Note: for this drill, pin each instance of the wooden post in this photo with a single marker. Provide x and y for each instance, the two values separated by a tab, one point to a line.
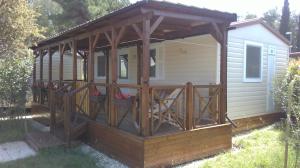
139	63
223	76
113	113
91	60
61	62
50	65
106	54
90	71
67	118
145	128
74	53
34	79
189	105
41	100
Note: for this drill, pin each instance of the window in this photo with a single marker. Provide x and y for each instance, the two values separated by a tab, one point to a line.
153	63
253	62
101	66
123	66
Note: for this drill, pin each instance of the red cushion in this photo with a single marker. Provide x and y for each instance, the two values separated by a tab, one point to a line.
96	92
122	96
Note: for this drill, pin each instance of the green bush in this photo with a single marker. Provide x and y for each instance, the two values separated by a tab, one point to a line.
287	97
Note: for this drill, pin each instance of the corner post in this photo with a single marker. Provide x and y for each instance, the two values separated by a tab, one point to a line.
74	53
34	78
189	105
145	129
90	66
61	63
223	76
113	113
41	100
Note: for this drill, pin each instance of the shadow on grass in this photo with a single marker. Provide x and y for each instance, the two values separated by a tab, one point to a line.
56	157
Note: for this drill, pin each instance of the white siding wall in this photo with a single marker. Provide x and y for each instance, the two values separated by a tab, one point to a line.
68	74
192	59
250	99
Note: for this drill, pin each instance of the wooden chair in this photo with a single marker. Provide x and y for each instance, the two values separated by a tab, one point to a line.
162	109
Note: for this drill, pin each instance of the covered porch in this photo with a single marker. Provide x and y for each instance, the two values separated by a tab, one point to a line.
151	74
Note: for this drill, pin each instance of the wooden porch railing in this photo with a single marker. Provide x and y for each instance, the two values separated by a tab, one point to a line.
56	99
127	108
206	105
172	107
167	107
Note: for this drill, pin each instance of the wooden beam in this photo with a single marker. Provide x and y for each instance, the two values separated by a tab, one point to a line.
113	113
96	40
182	16
41	65
61	62
34	71
139	62
189	106
223	76
216	32
50	65
108	38
91	60
120	34
137	30
74	53
156	24
145	129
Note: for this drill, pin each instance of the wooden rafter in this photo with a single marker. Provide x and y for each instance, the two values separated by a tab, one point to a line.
181	15
156	24
137	30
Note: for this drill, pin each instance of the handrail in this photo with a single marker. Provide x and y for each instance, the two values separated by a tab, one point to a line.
79	89
131	86
166	86
207	86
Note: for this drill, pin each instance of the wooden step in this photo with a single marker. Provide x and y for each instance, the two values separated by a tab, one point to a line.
40	140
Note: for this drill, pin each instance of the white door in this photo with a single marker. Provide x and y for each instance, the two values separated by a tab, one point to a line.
271	74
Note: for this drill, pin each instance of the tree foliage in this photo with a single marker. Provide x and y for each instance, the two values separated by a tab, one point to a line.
18	26
59	15
18	30
272	17
287	96
285	18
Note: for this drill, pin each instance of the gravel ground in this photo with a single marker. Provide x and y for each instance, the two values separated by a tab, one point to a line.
102	159
107	162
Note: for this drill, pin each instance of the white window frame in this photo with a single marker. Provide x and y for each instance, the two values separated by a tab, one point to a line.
101	54
255	44
156	48
123	51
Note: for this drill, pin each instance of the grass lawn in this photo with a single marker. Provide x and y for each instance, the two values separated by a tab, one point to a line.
54	158
57	157
12	130
261	149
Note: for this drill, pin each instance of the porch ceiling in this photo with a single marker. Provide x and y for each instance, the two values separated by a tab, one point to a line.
179	21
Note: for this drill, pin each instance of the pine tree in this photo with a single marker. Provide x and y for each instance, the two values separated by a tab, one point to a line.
285	18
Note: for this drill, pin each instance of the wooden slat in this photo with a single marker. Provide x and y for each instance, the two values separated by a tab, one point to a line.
173	149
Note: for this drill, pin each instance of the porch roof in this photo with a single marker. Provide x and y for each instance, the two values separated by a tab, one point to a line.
180	21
